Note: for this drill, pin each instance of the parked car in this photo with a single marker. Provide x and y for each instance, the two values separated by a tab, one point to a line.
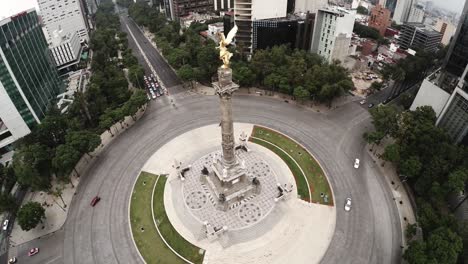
356	163
12	260
370	105
5	225
33	251
95	200
153	95
362	102
347	206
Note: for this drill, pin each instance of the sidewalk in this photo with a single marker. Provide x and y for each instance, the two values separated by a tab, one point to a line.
56	211
253	91
400	196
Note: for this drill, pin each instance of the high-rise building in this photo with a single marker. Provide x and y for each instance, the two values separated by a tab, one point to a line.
447	30
28	78
66	16
416	14
295	31
418	36
223	5
447	89
380	19
247	11
185	7
66	50
402	11
457	56
390	5
332	33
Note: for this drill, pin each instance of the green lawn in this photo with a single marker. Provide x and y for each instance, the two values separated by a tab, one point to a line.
314	173
177	242
150	245
302	187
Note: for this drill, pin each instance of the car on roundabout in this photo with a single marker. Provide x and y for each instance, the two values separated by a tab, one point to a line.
95	200
347	206
33	251
356	163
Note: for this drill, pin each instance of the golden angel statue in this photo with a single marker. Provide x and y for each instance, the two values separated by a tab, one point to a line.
224	54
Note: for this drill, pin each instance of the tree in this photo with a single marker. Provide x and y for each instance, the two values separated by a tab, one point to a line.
416	253
30	215
362	10
7	203
392	153
135	74
301	94
410	167
244	75
456	180
32	165
443	246
410	231
384	119
83	141
376	86
187	74
65	160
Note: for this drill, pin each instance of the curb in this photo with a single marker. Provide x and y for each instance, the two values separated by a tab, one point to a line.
297	164
156	225
318	162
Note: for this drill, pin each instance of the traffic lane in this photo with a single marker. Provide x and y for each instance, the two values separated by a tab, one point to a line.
164	71
50	250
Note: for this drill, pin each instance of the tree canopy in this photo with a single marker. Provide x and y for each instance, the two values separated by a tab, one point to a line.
30	215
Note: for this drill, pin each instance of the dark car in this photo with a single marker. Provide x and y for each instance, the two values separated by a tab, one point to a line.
95	200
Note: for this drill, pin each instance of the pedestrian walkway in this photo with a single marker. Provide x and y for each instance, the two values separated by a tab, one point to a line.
57	206
400	196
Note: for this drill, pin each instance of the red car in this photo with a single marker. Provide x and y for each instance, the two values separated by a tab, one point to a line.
95	200
33	251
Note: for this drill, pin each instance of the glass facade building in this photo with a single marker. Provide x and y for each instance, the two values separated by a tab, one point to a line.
457	57
27	70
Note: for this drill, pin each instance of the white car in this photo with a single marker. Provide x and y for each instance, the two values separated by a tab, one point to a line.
153	95
362	102
12	260
356	163
5	225
347	206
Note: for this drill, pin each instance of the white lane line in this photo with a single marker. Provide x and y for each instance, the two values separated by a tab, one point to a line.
53	260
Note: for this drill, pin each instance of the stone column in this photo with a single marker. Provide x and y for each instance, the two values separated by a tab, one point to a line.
225	88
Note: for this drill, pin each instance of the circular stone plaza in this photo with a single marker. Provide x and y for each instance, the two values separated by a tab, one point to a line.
239	194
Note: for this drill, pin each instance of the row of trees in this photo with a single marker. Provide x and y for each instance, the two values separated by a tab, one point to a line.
435	168
294	72
57	144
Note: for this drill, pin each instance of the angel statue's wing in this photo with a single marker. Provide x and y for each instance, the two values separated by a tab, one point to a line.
230	35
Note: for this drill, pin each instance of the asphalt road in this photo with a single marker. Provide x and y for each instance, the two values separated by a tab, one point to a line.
370	233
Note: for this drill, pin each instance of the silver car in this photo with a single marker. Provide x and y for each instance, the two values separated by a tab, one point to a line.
347	206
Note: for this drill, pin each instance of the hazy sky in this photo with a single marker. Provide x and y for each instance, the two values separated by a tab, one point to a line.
11	7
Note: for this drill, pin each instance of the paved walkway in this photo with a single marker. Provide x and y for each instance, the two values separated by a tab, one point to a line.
295	232
400	196
57	210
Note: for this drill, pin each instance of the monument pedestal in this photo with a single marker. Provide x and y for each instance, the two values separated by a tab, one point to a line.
228	179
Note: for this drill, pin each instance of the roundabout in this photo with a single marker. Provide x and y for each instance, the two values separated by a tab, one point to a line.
368	234
265	229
